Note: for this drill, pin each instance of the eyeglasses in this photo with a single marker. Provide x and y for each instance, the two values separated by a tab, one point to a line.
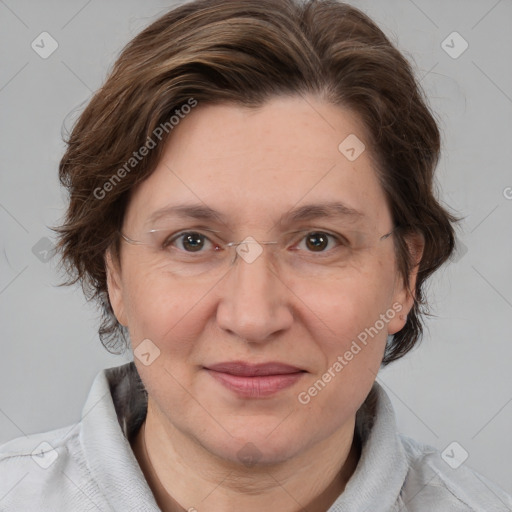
299	253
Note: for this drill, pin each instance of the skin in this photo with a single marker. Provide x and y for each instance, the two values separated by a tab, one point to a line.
253	166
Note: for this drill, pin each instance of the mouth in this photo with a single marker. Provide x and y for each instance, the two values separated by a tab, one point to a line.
255	380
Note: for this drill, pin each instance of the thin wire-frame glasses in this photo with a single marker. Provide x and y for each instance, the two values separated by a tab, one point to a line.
209	255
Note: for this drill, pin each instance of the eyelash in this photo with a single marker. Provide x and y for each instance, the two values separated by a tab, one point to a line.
340	240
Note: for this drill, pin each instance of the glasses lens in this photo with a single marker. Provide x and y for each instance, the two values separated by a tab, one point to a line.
308	253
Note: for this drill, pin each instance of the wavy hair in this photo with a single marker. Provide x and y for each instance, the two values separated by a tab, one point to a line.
246	52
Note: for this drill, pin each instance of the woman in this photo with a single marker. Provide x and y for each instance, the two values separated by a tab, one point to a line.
251	201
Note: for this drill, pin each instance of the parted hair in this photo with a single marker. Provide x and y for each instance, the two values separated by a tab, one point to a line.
245	52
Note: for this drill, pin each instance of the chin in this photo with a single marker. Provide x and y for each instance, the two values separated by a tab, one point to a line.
251	447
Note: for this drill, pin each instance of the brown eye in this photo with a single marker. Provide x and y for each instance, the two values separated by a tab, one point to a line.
317	241
189	241
193	241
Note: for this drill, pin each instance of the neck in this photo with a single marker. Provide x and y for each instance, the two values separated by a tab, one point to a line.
184	476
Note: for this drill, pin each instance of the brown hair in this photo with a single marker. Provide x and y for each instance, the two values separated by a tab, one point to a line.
245	52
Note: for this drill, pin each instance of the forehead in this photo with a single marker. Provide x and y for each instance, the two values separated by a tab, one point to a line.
252	164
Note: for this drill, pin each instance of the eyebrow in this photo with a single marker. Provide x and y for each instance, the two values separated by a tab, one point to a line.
329	210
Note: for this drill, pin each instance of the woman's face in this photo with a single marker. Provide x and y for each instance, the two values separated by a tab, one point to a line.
317	309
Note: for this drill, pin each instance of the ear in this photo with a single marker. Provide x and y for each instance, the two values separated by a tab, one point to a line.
115	286
404	295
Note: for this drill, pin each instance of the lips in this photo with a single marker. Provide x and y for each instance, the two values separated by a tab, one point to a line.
253	370
255	380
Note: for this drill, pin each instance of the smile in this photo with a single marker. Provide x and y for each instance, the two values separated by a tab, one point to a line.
255	381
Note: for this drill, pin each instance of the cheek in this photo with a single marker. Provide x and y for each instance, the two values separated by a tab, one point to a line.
163	309
344	307
351	319
167	312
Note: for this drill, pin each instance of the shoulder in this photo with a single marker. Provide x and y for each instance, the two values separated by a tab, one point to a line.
85	466
434	480
44	471
39	450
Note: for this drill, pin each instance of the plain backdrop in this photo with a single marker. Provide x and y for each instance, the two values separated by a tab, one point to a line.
457	386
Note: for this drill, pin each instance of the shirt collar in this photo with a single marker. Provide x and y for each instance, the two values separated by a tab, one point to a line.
114	410
117	405
380	474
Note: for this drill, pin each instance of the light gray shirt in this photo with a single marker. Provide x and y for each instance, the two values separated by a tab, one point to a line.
90	466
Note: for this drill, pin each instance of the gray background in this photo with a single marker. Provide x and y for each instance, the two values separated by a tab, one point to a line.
456	387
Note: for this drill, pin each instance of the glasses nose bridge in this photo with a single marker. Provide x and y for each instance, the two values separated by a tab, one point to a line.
249	249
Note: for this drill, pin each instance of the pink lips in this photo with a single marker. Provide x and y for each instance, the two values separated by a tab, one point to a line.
255	380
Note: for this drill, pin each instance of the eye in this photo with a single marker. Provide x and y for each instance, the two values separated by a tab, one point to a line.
189	241
318	241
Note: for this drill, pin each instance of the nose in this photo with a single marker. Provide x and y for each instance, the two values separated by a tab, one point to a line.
255	304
